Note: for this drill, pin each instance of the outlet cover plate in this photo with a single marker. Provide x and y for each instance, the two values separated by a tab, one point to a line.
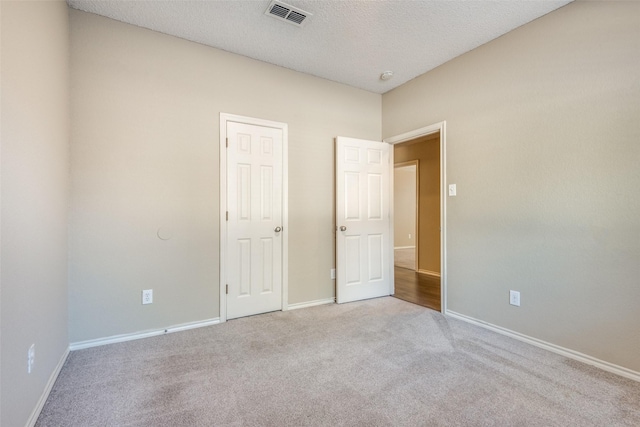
147	296
514	298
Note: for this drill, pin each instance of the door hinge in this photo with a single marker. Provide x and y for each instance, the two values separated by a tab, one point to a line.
227	289
227	143
227	215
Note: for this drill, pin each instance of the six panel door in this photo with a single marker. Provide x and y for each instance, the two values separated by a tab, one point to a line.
363	256
254	227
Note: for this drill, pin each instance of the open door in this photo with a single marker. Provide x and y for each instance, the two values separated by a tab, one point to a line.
364	265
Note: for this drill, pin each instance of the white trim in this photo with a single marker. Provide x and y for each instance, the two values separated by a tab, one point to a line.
429	273
311	303
428	130
392	219
566	352
417	133
285	215
222	143
47	390
224	118
145	334
403	247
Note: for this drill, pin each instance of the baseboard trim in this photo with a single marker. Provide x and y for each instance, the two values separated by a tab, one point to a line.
139	335
311	303
47	390
403	247
429	273
571	354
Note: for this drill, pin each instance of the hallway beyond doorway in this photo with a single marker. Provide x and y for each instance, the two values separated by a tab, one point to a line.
418	288
405	258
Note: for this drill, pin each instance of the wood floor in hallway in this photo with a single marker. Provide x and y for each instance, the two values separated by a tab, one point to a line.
421	289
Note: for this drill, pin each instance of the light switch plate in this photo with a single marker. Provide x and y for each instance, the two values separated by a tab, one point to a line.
452	189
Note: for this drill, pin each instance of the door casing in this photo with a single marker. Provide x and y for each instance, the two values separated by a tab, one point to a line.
408	136
224	118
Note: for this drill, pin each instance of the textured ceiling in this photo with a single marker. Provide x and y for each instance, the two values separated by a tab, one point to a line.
349	41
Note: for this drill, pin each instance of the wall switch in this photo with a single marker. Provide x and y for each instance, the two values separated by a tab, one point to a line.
31	358
452	189
409	236
147	296
514	298
333	273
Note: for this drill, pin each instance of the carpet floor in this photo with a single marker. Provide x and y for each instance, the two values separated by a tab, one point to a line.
380	362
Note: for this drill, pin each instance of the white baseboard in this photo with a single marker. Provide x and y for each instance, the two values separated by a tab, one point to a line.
145	334
311	303
429	273
571	354
47	390
403	247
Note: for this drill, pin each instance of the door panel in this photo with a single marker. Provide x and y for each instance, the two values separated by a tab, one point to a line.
363	247
376	256
254	200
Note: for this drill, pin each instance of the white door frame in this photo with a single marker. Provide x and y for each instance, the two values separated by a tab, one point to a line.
224	118
408	136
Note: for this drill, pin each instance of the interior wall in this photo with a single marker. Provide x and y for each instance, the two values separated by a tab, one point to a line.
145	136
542	142
404	200
427	151
34	191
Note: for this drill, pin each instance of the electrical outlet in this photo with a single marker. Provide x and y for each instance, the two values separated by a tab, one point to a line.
31	358
147	296
514	298
333	273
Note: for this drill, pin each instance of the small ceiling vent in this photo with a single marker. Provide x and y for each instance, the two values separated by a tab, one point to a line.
287	13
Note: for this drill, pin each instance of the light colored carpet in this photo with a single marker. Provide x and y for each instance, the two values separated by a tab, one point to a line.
381	362
405	258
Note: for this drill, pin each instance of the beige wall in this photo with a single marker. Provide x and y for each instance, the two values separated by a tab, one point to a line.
542	135
404	200
542	142
145	135
34	165
426	150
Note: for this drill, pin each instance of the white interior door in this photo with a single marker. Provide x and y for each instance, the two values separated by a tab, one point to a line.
363	241
255	213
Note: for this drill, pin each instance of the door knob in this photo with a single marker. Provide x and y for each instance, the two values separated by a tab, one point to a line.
343	228
278	229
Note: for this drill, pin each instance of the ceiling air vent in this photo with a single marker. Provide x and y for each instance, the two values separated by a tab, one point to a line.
287	13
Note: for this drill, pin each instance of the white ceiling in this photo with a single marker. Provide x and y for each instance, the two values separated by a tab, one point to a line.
348	41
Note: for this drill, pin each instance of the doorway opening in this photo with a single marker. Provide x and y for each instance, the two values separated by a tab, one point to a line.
419	195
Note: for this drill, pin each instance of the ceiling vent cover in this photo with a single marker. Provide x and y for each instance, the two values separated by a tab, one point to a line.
287	13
